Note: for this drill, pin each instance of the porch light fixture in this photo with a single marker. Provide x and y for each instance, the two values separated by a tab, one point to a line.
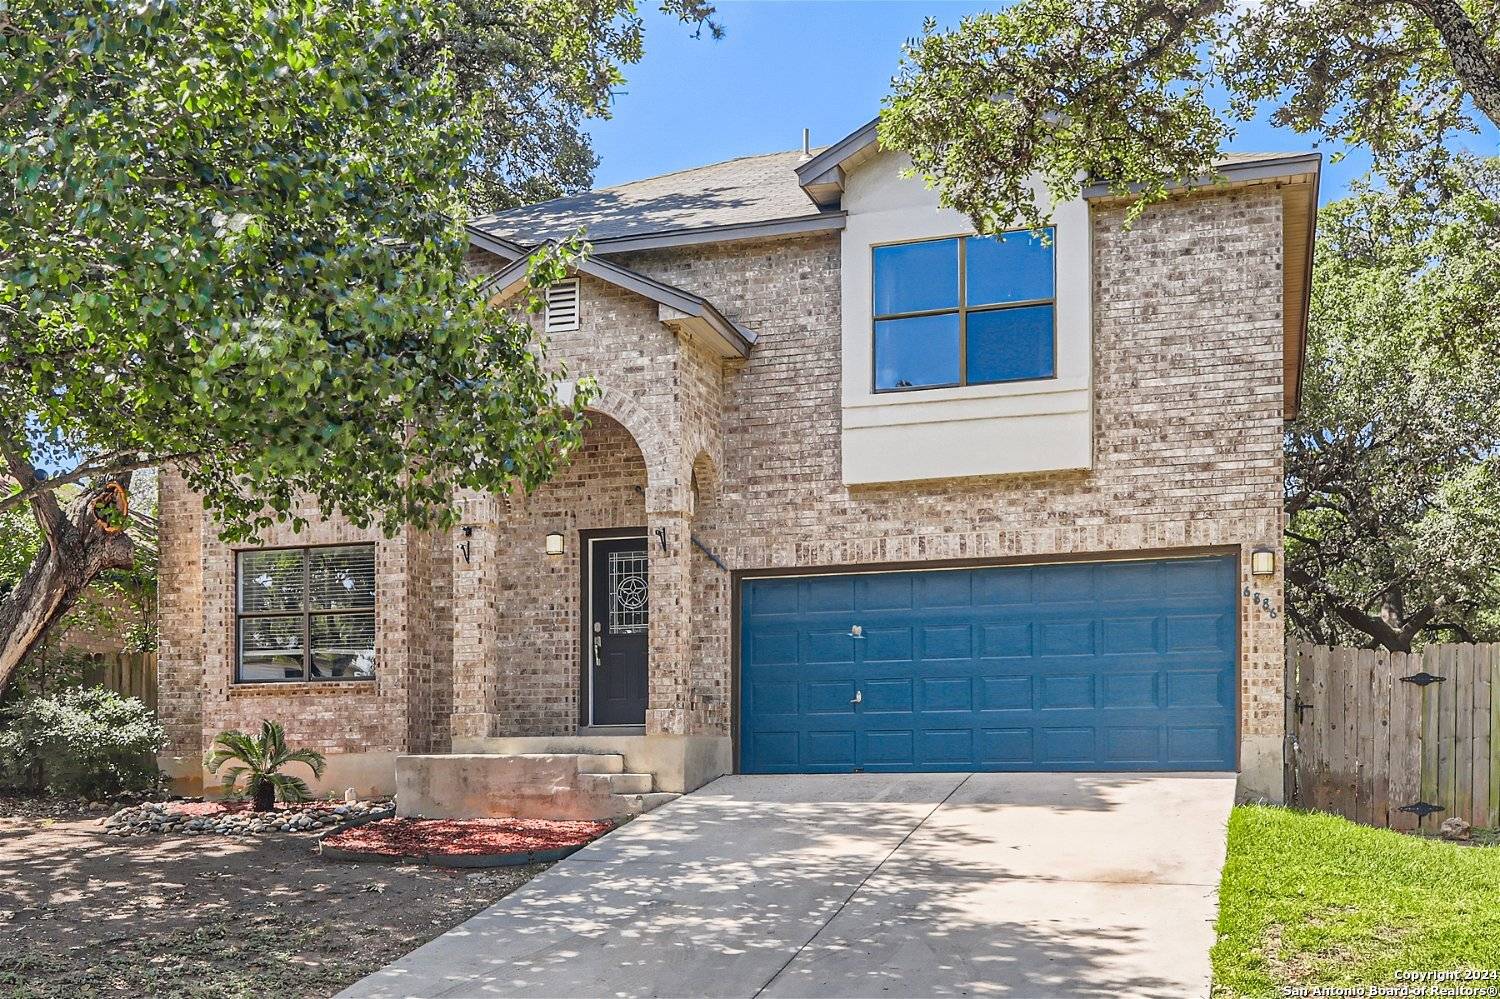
1262	562
554	543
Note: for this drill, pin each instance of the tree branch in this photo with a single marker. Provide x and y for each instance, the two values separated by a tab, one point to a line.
109	465
1472	61
49	514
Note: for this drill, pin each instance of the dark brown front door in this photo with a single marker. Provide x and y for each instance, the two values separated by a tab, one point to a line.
617	618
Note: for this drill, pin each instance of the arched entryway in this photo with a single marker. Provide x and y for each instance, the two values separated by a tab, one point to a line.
556	670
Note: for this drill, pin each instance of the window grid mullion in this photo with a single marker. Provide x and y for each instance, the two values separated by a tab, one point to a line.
963	313
307	615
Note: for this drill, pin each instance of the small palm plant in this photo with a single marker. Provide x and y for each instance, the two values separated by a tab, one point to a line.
261	758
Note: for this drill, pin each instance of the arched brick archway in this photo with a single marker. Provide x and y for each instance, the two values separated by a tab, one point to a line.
665	484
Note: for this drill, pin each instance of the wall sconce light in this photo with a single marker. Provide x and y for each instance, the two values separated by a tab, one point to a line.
555	543
467	547
1262	562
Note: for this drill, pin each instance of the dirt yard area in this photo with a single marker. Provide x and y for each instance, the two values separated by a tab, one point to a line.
86	914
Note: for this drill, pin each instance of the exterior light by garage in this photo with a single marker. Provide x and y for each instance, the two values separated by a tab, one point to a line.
554	543
1262	562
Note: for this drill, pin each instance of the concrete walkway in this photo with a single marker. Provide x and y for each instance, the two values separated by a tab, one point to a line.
864	885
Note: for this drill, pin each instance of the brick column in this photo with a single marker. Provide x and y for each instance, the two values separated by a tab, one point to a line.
180	627
475	618
670	632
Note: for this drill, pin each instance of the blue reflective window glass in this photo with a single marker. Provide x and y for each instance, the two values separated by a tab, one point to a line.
1010	344
917	352
1010	267
916	277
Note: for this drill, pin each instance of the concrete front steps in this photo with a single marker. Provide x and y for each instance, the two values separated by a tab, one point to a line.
591	786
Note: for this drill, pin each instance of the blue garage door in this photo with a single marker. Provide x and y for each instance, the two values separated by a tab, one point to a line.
1091	666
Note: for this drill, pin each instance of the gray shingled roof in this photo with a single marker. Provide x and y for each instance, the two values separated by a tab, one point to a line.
747	190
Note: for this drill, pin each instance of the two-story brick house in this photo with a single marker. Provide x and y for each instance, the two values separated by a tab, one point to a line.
861	491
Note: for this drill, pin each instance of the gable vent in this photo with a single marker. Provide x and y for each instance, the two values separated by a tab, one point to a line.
562	306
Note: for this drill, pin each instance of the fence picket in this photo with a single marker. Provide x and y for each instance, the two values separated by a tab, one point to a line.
1463	732
1494	815
1406	741
1382	764
1479	748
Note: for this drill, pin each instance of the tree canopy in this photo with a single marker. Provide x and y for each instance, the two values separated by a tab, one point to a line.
1124	93
230	241
1393	465
534	73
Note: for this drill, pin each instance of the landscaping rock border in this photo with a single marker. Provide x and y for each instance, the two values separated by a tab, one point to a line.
319	817
457	860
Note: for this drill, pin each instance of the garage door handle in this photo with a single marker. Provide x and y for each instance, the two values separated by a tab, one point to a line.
859	697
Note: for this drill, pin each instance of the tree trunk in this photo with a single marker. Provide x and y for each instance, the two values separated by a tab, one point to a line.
75	550
265	796
1469	50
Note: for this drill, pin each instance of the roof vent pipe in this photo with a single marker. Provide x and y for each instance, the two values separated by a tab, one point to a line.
807	143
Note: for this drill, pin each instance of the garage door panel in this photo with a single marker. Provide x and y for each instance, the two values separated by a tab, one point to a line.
827	594
1197	689
831	748
1065	638
1006	747
828	647
888	645
1123	691
947	641
1197	633
884	592
1129	636
890	747
1005	693
887	696
1067	667
828	697
1001	640
1001	587
946	694
1066	745
943	589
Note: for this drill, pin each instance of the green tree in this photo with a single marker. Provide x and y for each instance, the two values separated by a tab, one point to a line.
229	243
1393	465
536	72
1121	92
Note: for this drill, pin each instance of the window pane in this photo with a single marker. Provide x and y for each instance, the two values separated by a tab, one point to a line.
1010	344
343	645
271	580
271	648
342	578
916	277
1010	267
916	352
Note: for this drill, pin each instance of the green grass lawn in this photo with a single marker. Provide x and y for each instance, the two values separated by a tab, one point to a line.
1311	899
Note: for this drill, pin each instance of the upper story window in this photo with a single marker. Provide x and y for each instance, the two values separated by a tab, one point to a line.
305	613
968	310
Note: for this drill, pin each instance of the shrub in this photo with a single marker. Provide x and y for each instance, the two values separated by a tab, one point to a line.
82	740
262	757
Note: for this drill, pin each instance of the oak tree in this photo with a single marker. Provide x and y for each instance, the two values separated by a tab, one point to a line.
1138	94
1393	464
230	242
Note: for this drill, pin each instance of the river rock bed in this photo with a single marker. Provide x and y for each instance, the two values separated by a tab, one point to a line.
213	818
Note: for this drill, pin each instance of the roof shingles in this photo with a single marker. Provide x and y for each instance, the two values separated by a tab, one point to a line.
743	191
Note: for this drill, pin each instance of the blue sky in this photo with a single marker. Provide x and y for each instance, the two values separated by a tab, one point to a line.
785	66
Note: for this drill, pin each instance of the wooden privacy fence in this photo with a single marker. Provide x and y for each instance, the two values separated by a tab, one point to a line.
130	673
1395	739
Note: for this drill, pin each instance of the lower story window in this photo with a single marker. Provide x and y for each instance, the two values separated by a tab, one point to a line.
305	613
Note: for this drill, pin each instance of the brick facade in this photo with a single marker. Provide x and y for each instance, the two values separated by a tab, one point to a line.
744	457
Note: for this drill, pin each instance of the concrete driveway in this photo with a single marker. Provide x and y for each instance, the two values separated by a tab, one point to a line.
864	885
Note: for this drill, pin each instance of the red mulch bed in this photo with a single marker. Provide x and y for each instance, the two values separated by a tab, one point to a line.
465	837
